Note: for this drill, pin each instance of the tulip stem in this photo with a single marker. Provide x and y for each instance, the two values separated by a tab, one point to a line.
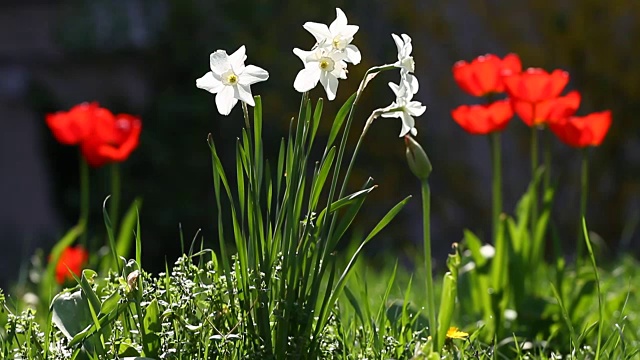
584	187
114	201
496	161
534	184
431	302
84	200
546	138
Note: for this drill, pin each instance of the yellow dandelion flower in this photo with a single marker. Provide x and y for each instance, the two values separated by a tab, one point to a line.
455	333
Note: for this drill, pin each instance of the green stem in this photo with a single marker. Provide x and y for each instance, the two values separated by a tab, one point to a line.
245	112
546	148
496	161
84	200
584	187
431	301
367	125
534	184
114	201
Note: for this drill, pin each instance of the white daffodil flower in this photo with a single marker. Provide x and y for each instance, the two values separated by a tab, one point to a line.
320	65
337	36
230	79
404	108
405	60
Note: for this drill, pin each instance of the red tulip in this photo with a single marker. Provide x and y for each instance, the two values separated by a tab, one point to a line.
548	110
71	127
71	260
483	119
483	75
535	85
583	131
112	138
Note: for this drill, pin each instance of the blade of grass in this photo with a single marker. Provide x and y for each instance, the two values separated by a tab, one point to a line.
587	241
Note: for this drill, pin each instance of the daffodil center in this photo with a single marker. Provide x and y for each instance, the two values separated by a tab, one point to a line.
229	78
408	63
338	43
326	64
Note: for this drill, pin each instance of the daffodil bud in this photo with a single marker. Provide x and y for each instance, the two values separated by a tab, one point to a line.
418	160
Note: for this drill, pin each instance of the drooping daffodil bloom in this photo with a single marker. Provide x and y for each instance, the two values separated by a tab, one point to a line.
230	79
321	65
337	36
405	61
404	108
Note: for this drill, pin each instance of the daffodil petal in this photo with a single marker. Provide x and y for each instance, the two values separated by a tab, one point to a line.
348	31
237	59
353	54
395	88
399	44
307	78
219	62
253	74
330	84
408	123
302	54
412	83
415	108
319	31
225	100
243	92
339	23
210	83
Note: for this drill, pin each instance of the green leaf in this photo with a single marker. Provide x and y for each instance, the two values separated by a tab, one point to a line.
474	244
339	119
111	303
317	114
321	178
71	312
347	200
447	306
152	322
347	218
345	274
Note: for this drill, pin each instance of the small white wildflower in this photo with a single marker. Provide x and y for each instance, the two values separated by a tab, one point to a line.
230	79
487	251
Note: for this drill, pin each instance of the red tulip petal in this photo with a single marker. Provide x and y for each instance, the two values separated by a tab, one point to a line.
482	119
524	110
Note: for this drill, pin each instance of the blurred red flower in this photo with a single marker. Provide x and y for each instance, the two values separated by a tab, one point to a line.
103	137
112	138
71	127
71	260
551	110
483	119
583	131
483	75
535	85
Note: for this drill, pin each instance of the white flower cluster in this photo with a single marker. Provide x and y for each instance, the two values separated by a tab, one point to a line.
327	60
326	63
404	107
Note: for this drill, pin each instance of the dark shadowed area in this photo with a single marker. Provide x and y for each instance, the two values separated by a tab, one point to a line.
143	56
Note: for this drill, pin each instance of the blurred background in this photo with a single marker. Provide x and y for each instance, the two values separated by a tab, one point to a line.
143	56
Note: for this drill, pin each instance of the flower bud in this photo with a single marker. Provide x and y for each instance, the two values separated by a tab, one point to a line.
418	160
